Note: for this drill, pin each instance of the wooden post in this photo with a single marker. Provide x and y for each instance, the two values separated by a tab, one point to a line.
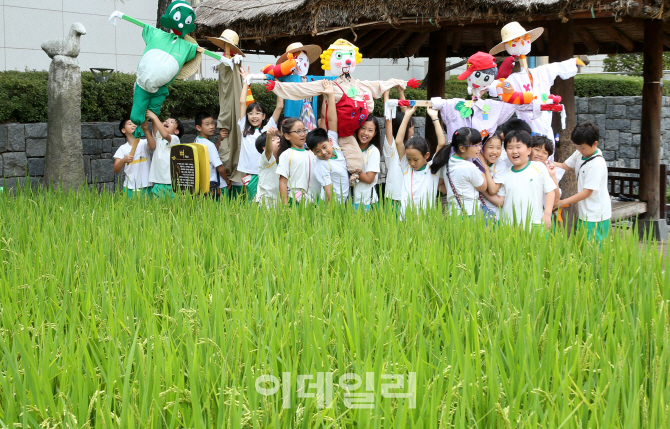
437	67
561	48
650	138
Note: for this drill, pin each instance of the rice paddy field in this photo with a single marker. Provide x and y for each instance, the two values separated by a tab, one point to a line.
118	313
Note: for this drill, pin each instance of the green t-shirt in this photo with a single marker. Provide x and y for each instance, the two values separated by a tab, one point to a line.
163	58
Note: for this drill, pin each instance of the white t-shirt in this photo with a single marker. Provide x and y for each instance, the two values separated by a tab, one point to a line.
393	187
593	176
214	160
419	187
249	156
137	172
160	160
268	181
365	193
498	170
334	171
524	191
466	177
297	165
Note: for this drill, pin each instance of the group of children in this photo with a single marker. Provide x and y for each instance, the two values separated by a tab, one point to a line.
507	176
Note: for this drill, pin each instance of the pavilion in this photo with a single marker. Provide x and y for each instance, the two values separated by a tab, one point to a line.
449	28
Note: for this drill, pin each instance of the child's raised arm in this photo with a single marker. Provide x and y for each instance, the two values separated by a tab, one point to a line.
401	96
158	125
151	143
400	138
439	132
278	109
329	94
271	132
243	96
388	124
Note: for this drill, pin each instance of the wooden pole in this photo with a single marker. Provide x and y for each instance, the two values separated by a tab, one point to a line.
650	138
561	47
437	65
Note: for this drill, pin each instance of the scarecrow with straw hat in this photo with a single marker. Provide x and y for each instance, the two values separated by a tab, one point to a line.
354	98
538	81
168	56
300	56
230	90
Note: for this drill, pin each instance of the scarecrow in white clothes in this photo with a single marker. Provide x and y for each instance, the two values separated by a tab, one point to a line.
355	98
538	81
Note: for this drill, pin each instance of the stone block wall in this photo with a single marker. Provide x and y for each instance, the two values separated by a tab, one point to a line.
619	121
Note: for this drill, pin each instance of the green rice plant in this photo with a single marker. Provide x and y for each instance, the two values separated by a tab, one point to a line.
165	313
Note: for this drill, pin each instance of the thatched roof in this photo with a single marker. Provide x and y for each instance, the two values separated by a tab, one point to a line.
260	23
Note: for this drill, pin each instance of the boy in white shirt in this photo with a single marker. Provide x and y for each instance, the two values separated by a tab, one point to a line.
218	179
136	168
331	167
592	198
267	144
166	135
527	192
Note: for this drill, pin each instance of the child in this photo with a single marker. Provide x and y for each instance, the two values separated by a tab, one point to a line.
462	179
527	186
252	124
218	179
514	124
368	139
592	198
166	135
419	184
267	144
331	168
296	165
394	184
542	150
495	158
136	168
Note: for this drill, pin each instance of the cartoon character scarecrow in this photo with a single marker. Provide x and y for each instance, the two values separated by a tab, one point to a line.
354	98
164	57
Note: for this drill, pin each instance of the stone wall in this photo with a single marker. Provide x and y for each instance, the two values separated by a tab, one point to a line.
619	121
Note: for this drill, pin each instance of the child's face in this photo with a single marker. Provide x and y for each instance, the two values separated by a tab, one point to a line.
324	150
170	125
255	117
207	128
416	159
518	153
128	128
410	131
539	153
586	150
492	150
366	133
297	135
472	151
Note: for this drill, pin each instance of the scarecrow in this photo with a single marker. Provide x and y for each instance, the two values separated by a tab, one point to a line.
294	66
168	56
355	98
538	81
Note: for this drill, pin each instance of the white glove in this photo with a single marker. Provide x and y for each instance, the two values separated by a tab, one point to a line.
228	62
254	76
438	103
114	15
237	59
390	109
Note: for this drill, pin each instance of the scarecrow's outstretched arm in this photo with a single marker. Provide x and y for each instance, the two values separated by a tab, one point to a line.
117	14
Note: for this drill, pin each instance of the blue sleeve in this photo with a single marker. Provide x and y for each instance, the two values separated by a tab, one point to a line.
316	78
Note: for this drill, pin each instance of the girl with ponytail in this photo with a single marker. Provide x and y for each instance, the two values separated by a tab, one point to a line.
296	165
462	179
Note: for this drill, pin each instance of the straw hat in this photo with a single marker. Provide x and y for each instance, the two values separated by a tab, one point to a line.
513	30
341	44
192	66
228	37
313	52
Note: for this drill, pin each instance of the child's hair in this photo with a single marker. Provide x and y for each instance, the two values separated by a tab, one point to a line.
180	126
122	124
522	136
419	143
247	126
515	125
284	128
201	116
396	125
585	133
261	141
462	137
376	140
543	142
315	137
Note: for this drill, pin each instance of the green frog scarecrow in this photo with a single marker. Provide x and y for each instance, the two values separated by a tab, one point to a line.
164	57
